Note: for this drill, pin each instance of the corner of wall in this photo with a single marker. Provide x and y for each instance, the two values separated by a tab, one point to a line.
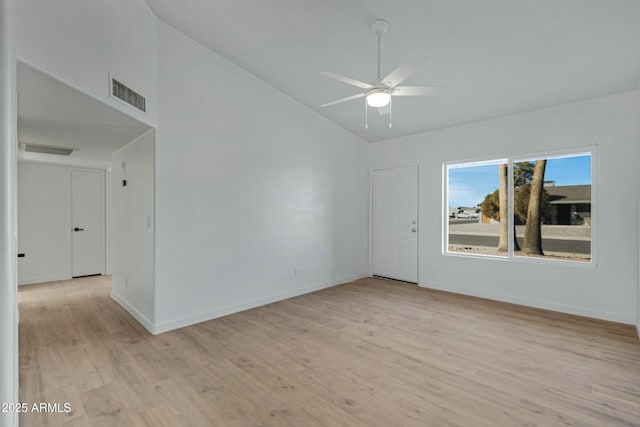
247	305
9	316
132	226
141	318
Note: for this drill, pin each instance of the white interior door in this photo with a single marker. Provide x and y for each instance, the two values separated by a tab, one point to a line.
87	214
395	223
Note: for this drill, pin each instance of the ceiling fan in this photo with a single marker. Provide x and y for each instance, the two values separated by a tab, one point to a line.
379	93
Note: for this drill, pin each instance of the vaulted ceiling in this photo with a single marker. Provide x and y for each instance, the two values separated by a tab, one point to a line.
497	56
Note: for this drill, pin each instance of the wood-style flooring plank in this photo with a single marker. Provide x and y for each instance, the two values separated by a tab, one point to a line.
367	353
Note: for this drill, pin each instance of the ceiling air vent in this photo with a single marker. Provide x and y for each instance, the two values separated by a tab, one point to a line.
47	149
128	95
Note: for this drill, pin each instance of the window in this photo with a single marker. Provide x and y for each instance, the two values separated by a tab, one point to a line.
537	207
470	230
559	227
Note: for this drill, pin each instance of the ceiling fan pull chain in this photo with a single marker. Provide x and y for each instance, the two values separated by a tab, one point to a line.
366	115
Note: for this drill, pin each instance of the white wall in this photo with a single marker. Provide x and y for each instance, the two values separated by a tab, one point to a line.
258	197
80	42
44	222
132	228
606	291
8	229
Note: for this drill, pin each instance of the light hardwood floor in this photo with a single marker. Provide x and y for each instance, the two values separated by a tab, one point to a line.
367	353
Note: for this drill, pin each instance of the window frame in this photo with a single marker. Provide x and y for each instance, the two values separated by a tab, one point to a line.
511	160
445	204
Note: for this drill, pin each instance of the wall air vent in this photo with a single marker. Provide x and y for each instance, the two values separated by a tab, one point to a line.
47	149
128	95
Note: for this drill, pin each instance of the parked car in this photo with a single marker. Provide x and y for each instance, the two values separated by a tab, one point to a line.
467	214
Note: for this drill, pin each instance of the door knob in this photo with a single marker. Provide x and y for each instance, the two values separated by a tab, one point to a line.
415	230
78	229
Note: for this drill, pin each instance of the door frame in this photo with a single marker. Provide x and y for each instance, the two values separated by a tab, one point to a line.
103	215
373	169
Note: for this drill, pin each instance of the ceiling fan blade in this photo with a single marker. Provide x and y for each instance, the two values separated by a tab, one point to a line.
415	90
348	98
404	71
347	80
383	111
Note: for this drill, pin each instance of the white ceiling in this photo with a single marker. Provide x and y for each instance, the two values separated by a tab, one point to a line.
498	56
53	113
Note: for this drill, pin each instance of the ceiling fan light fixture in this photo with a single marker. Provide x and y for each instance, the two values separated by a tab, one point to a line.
378	98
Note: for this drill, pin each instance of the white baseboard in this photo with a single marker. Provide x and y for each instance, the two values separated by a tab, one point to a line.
141	318
43	279
246	305
546	305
